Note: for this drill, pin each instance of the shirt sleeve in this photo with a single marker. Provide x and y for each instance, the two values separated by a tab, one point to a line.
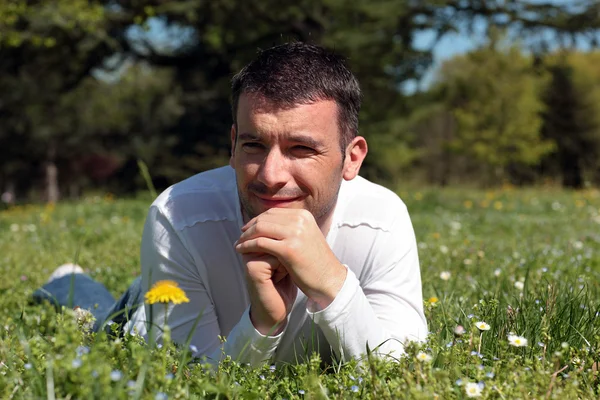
385	308
164	256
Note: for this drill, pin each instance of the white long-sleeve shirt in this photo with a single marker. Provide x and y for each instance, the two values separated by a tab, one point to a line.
188	238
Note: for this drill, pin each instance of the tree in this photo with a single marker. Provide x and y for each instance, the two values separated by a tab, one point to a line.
494	96
572	118
49	48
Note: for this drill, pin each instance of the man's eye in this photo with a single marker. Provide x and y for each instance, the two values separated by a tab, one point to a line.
252	146
304	149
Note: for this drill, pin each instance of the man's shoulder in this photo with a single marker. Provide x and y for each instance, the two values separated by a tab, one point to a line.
370	204
207	196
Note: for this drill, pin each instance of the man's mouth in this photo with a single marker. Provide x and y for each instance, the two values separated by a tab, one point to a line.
272	202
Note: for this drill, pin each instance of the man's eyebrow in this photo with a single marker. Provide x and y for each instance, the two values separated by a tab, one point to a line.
248	136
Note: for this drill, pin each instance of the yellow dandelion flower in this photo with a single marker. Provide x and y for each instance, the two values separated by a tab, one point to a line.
433	300
468	204
166	292
498	205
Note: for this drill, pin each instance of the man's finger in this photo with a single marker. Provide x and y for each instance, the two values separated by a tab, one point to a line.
277	215
264	228
260	245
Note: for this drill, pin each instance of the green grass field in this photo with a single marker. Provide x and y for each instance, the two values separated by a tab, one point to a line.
525	262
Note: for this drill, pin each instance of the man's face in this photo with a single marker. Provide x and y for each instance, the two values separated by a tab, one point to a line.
287	157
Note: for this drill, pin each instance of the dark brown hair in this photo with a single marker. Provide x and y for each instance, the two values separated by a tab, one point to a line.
299	73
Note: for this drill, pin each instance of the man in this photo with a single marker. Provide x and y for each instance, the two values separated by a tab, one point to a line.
287	250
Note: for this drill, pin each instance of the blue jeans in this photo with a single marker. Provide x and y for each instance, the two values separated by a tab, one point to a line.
80	290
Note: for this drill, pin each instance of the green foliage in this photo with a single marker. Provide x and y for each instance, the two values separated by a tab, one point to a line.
50	49
572	118
494	95
521	261
36	23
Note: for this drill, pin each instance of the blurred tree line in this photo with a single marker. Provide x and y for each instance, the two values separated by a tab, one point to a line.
89	87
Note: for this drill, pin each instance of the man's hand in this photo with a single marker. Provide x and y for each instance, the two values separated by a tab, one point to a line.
293	237
272	292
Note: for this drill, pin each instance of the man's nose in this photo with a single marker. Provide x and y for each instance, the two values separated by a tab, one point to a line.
274	170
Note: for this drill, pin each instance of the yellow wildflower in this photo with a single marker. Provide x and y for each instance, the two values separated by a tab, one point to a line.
433	300
166	292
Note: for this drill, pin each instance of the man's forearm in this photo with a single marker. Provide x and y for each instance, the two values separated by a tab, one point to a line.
350	324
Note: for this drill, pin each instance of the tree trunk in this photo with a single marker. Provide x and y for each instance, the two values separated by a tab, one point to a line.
52	190
571	171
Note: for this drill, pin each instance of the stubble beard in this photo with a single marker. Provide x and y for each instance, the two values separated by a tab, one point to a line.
320	213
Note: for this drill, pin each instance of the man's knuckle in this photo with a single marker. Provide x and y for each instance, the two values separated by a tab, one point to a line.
259	227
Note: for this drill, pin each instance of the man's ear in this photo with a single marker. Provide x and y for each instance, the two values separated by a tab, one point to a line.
233	137
355	154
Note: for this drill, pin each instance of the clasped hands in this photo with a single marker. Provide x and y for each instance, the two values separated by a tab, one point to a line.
284	250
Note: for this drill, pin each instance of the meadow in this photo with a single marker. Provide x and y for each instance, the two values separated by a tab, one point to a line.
510	283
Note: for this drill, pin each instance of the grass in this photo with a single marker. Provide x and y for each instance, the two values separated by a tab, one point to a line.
526	262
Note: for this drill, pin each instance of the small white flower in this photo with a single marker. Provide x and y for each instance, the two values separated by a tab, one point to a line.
517	341
564	345
497	272
424	357
519	285
473	389
467	261
577	245
459	330
116	375
14	227
444	249
455	225
445	275
482	326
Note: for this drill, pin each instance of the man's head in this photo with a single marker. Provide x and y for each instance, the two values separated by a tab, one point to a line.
294	136
299	73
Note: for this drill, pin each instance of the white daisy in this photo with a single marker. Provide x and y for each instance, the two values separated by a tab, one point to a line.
517	341
424	357
482	326
473	389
